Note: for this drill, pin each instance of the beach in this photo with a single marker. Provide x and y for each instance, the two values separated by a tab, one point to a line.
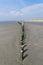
34	41
10	34
10	43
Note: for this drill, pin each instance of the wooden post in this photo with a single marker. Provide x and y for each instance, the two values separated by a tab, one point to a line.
22	45
22	42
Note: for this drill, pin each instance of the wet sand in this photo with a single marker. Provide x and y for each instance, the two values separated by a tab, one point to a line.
10	34
34	41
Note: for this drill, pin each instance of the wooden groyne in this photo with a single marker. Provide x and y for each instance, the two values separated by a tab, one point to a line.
22	44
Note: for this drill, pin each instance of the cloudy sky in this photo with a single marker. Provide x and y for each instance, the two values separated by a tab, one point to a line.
20	9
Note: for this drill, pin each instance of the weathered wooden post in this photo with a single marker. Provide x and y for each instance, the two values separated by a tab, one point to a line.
22	45
22	40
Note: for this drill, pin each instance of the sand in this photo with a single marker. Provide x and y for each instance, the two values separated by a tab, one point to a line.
10	34
34	41
10	39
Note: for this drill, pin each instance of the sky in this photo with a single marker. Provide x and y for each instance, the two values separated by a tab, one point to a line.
15	10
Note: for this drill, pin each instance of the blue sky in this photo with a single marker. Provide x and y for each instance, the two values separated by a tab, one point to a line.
20	9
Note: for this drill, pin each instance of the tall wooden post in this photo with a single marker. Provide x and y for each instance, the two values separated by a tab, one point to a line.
22	45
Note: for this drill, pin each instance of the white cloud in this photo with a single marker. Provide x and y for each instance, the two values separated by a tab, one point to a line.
15	13
32	11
